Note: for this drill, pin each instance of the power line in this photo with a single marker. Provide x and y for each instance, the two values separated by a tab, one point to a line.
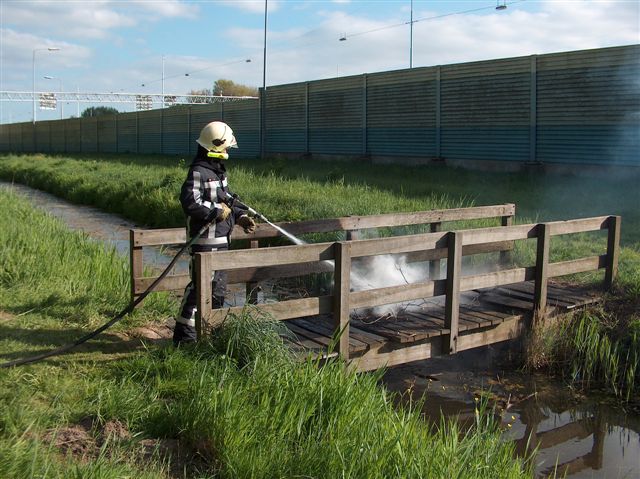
462	12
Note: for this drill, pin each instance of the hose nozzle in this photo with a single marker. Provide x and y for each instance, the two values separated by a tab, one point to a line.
235	201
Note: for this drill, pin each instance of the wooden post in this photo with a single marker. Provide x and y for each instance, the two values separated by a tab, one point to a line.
452	298
434	265
341	291
135	262
252	287
613	250
505	255
203	292
542	264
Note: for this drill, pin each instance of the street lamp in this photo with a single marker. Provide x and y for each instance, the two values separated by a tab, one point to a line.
47	77
411	38
33	64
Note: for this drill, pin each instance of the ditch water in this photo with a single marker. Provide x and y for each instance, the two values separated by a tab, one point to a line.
588	437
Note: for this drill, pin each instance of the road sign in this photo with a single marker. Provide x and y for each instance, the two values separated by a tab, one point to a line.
144	102
48	101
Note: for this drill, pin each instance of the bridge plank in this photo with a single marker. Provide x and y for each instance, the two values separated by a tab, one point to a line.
571	295
300	344
489	310
506	302
319	339
469	316
321	326
528	296
377	327
430	322
417	330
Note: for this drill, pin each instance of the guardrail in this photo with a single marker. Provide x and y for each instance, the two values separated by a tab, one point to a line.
452	245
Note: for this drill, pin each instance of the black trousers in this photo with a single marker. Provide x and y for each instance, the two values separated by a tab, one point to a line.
185	330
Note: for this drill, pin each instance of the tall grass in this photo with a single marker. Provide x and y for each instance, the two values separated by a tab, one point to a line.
47	269
260	418
591	348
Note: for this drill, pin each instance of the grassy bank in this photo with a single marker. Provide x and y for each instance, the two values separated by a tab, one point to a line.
144	188
236	407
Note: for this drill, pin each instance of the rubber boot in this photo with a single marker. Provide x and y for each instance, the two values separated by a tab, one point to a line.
183	334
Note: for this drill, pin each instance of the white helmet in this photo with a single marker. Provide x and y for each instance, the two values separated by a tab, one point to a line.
217	137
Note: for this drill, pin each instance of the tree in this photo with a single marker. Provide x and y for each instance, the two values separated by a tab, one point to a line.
229	88
98	110
223	87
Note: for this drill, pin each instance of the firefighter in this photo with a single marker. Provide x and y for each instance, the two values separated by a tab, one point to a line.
204	196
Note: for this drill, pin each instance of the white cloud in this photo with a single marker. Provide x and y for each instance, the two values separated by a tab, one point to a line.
17	56
252	6
87	20
557	26
168	8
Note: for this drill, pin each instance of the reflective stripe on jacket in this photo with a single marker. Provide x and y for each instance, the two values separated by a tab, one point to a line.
201	197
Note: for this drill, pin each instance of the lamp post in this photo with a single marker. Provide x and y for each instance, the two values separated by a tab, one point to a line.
263	96
411	38
33	65
47	77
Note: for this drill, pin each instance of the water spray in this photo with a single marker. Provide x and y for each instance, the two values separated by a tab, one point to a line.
235	201
357	279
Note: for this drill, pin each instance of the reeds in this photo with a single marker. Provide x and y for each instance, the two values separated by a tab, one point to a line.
590	348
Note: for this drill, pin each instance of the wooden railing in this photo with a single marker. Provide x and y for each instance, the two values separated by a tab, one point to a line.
451	245
139	239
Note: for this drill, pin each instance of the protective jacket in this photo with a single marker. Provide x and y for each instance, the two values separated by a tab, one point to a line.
201	197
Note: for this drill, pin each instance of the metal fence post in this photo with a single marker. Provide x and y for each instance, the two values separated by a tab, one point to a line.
306	117
438	107
533	113
364	114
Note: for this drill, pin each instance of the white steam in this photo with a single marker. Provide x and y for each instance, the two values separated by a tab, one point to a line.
384	271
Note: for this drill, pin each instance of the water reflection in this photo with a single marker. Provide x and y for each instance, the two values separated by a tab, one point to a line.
583	437
108	228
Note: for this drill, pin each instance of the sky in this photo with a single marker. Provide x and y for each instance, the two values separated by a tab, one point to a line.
119	46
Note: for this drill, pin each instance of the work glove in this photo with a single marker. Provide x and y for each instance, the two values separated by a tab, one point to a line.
247	224
224	214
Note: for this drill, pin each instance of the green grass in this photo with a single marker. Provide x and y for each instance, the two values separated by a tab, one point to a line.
145	189
238	406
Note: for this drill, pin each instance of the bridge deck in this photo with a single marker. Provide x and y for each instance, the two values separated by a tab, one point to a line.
416	331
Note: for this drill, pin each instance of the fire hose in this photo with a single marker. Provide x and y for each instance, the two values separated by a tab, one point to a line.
232	200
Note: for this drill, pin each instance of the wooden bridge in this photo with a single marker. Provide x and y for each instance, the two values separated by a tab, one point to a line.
446	312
